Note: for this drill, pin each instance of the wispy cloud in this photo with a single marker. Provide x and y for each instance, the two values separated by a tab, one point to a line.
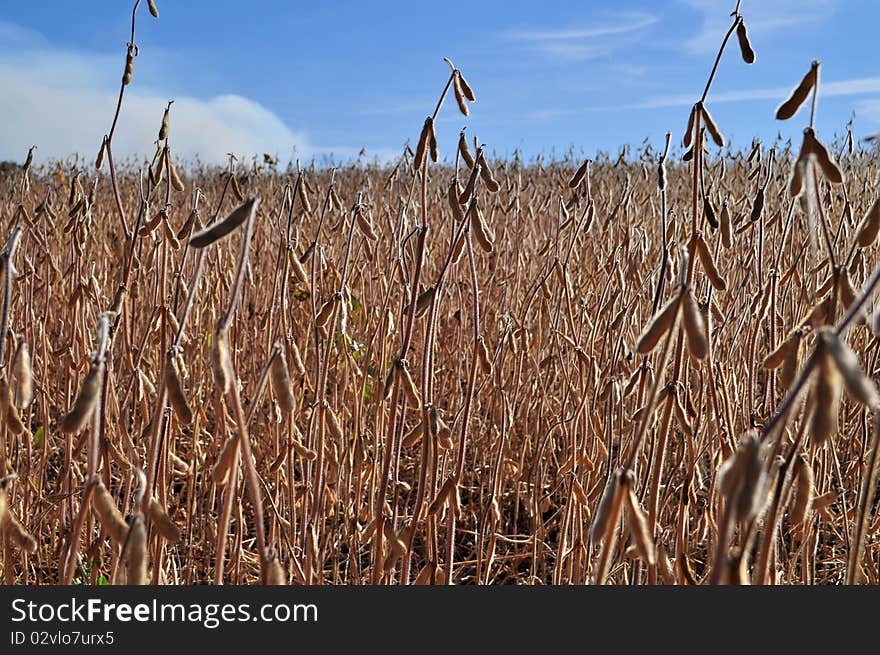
584	43
854	87
575	51
762	18
63	100
629	23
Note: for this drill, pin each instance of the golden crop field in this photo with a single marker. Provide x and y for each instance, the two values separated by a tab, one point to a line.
651	368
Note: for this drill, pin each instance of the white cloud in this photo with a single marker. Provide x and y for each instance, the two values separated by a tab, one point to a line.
762	18
63	101
580	44
854	87
575	51
630	23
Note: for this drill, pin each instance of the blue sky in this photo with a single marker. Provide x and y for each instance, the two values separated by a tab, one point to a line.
329	78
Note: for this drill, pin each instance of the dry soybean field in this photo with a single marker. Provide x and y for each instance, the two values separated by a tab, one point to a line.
652	366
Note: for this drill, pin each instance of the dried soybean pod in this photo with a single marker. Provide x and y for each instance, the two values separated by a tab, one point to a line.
470	186
129	66
414	436
659	325
639	529
745	47
848	296
694	326
275	573
221	229
608	506
689	132
790	107
225	459
827	389
280	378
464	150
22	373
163	522
136	551
826	162
725	223
153	223
859	386
153	10
803	496
81	412
466	88
299	271
674	398
188	225
306	453
302	192
408	385
447	491
486	173
18	534
326	311
389	382
709	212
295	357
870	226
752	478
423	302
454	205
796	186
579	175
364	225
169	235
163	129
433	150
441	431
99	160
480	230
335	425
221	361
714	132
483	355
176	182
422	147
459	93
176	394
758	205
433	421
755	151
29	159
111	517
715	278
777	356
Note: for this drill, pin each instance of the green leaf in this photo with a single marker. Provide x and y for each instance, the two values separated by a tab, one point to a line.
38	437
103	581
